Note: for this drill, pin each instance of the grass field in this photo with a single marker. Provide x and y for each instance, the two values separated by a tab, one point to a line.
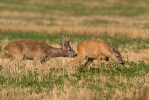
125	23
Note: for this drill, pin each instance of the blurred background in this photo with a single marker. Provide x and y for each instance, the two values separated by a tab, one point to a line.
75	17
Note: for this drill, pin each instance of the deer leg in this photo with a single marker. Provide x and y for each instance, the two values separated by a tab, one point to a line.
88	62
42	61
42	58
99	64
109	64
46	59
18	58
37	62
77	60
38	59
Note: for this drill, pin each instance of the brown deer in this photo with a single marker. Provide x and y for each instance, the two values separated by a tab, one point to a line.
96	49
37	51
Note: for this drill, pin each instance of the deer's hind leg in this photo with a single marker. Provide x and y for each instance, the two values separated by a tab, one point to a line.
99	64
17	58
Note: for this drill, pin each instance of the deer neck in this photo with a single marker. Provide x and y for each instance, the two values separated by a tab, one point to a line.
108	54
56	52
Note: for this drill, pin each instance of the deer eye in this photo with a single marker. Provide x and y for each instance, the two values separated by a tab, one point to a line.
69	50
117	56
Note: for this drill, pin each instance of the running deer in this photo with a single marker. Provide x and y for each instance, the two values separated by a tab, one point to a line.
96	49
37	51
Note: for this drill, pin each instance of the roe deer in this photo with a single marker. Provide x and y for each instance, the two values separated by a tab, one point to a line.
37	51
96	49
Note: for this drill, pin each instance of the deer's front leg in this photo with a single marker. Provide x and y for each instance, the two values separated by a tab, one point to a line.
88	62
109	64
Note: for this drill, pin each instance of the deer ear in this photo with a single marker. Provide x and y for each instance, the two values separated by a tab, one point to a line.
115	47
62	44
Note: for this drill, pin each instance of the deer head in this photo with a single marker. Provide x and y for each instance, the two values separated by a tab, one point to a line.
66	48
116	55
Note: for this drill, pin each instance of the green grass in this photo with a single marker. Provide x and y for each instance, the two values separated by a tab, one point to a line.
52	38
121	41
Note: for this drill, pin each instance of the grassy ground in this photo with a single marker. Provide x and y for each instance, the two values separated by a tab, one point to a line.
125	23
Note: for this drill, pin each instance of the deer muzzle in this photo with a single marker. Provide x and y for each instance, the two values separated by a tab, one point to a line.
74	55
122	63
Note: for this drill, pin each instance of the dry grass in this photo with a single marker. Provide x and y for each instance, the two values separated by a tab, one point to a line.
110	30
137	57
69	91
